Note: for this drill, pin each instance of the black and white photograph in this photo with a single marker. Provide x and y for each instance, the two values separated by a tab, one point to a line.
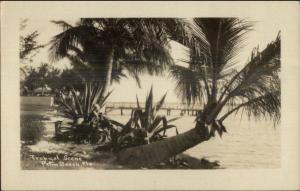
81	115
143	93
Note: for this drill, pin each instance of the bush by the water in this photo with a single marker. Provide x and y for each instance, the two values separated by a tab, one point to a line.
89	125
32	128
84	109
144	125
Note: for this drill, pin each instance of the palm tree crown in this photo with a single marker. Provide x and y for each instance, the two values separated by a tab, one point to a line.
101	47
212	79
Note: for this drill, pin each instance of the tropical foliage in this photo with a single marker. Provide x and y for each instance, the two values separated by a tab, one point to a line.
28	44
105	47
41	77
47	76
213	79
84	111
71	78
28	48
145	125
89	125
102	49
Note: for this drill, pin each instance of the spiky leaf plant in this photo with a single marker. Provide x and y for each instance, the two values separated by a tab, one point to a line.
84	110
145	125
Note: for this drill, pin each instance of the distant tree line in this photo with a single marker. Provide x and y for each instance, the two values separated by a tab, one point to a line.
50	78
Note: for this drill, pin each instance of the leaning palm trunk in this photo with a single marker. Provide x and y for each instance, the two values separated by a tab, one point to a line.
151	154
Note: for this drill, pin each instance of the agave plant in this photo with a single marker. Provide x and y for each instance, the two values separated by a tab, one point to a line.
80	107
84	109
145	125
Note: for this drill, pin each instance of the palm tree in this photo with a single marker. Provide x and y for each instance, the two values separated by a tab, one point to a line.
213	81
102	48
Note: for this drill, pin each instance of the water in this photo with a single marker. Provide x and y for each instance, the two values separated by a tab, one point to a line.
248	144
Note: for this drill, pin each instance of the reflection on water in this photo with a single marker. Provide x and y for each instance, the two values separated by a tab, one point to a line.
248	144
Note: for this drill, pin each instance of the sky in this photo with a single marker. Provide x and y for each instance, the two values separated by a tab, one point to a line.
265	30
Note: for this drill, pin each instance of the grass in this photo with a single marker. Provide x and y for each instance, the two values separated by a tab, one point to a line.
32	128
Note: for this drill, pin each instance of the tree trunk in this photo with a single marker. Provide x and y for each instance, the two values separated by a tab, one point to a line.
109	67
150	154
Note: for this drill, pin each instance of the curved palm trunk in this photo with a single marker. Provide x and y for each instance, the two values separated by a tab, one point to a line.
150	154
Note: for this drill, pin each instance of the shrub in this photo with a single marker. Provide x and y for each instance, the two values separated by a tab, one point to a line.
97	131
88	123
32	128
143	127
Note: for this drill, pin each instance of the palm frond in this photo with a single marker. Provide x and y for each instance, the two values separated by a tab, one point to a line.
117	74
213	46
257	86
188	85
140	44
69	38
261	73
220	39
267	105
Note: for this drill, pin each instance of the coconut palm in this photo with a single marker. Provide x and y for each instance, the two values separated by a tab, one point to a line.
102	48
213	80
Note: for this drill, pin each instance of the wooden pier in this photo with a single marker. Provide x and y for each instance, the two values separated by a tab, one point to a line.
184	109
